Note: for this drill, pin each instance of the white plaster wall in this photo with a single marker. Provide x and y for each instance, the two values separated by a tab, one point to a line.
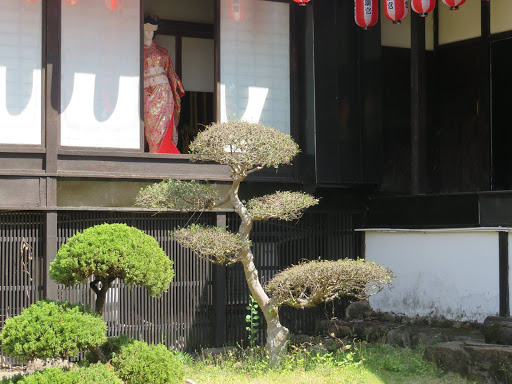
455	275
198	64
20	72
100	74
501	16
462	24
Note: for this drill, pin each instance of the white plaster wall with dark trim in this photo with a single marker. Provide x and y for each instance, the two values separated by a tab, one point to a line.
450	273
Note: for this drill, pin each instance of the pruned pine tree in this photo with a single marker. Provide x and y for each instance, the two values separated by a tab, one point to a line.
247	148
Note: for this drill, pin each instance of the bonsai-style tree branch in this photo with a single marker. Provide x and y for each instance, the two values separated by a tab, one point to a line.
113	251
247	148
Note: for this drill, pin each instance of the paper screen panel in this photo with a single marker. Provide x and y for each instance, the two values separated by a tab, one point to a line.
20	72
255	62
100	75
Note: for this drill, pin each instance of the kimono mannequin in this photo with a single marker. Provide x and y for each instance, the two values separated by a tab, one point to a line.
162	92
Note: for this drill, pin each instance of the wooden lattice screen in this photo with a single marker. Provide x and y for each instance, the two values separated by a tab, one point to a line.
185	316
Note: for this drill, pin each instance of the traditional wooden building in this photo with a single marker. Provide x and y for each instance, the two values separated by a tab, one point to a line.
401	127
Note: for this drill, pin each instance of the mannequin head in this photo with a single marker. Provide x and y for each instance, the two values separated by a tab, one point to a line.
148	36
150	27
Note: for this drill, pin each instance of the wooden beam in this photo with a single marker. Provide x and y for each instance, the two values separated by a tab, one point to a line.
186	29
418	103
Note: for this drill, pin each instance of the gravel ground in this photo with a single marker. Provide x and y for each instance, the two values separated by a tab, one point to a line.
9	372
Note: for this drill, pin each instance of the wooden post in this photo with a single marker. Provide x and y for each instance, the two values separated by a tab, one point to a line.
504	274
418	103
52	132
484	107
219	294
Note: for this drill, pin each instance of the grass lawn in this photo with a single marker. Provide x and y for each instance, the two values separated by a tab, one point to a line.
368	364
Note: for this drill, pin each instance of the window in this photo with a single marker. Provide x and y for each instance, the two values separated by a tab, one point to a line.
20	72
102	89
100	69
255	62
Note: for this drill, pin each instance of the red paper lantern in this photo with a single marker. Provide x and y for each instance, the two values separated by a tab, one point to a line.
237	10
71	2
31	1
423	7
302	3
396	10
366	13
454	4
114	5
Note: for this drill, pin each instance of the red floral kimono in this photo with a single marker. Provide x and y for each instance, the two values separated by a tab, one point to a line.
162	92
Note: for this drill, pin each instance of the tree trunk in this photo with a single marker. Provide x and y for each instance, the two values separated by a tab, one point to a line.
100	300
101	295
277	336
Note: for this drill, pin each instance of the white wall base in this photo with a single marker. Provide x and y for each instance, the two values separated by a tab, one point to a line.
450	273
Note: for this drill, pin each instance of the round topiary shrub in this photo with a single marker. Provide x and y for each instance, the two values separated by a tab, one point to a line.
140	363
111	346
51	329
94	374
113	251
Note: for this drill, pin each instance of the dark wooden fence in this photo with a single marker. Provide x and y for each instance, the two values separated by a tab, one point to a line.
205	305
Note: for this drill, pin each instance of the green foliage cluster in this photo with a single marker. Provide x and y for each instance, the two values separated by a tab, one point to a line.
140	363
110	251
51	329
214	244
283	205
94	374
306	285
111	346
243	146
251	319
176	194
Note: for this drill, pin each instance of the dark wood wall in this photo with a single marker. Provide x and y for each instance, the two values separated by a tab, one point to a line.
457	139
348	94
464	141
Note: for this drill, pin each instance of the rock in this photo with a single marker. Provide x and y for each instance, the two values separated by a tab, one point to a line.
476	361
388	317
39	365
304	339
188	381
338	329
214	352
322	327
498	330
332	344
399	337
319	348
450	357
358	310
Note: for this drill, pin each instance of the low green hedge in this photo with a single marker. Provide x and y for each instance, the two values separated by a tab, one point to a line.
140	363
94	374
51	329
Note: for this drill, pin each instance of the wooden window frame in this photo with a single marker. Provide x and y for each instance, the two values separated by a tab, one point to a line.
65	161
